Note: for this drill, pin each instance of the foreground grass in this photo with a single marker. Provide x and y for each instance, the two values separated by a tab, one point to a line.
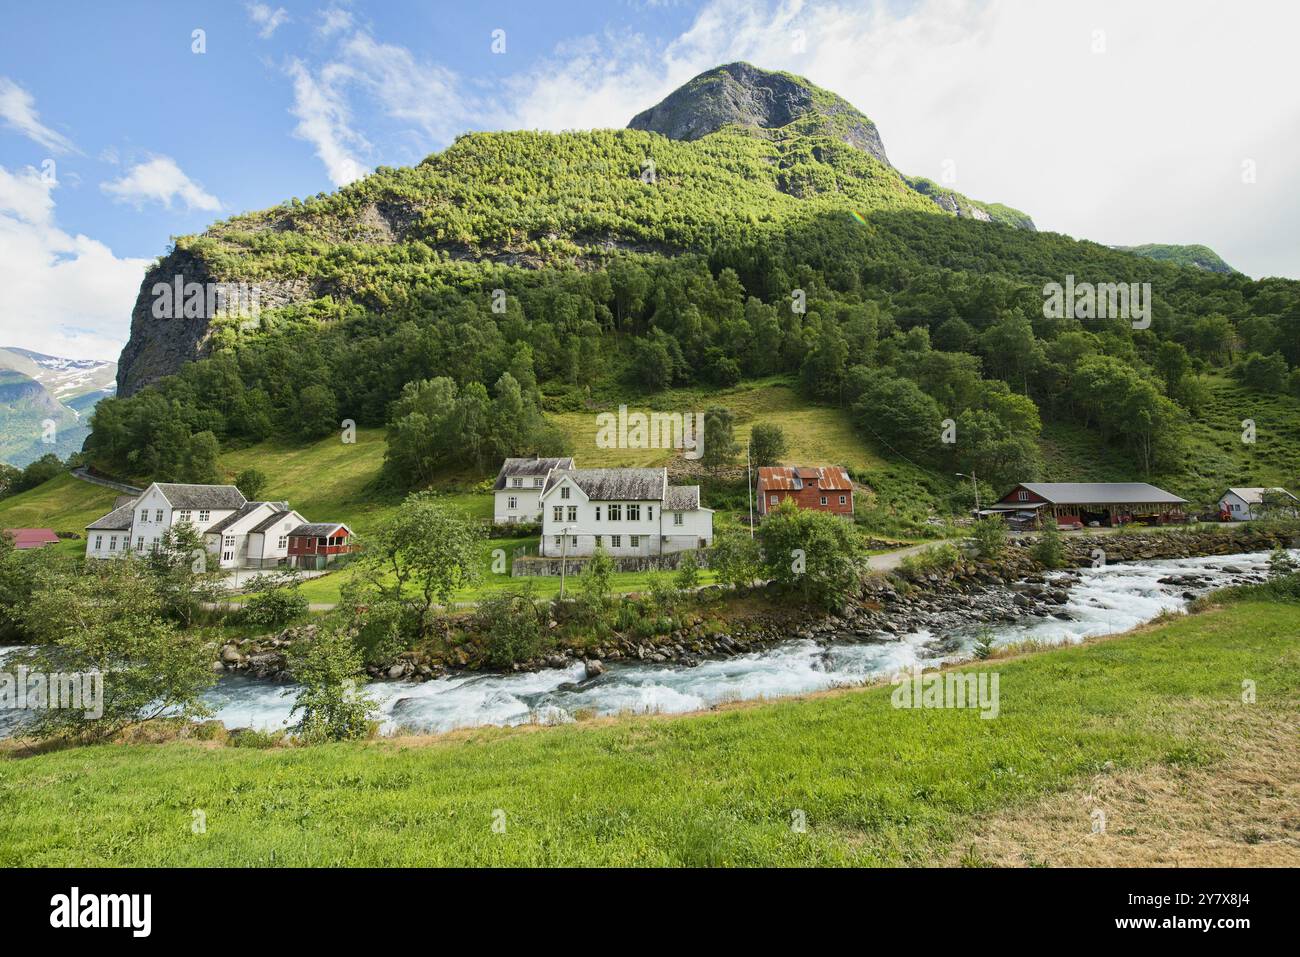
877	785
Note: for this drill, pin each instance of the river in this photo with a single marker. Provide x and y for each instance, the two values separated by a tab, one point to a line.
1102	601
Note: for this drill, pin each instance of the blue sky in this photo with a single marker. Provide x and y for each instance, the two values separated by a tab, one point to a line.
1123	123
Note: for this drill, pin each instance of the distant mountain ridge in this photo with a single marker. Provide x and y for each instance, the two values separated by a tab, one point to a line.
37	390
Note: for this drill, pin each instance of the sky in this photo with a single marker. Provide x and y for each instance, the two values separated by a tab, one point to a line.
121	126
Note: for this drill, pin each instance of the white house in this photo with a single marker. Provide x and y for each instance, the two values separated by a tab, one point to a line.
255	536
630	512
518	485
139	524
1243	504
241	534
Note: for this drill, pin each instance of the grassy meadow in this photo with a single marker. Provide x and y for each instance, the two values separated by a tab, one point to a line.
875	785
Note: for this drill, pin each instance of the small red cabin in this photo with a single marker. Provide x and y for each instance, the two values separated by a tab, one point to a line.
24	538
316	544
824	489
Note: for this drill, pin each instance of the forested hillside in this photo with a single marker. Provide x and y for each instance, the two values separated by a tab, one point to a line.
520	273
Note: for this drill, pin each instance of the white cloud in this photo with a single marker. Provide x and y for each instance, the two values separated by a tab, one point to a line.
18	110
160	180
324	120
64	295
267	19
334	20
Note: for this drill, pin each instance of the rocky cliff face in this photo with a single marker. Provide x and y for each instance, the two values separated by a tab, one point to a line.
742	95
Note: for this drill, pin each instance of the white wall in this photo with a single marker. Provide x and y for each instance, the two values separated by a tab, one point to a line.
649	528
526	505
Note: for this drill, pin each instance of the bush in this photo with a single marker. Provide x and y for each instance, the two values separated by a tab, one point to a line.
734	557
990	536
939	557
278	604
512	624
328	667
810	552
1049	550
688	572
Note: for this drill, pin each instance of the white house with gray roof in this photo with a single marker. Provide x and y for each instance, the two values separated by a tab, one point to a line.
1245	504
519	486
238	533
628	512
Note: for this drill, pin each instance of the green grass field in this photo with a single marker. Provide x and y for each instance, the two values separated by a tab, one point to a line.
876	785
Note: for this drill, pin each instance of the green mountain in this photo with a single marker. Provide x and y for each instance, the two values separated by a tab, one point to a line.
751	229
1200	257
46	403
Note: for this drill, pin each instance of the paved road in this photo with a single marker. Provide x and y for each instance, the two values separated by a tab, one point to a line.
83	474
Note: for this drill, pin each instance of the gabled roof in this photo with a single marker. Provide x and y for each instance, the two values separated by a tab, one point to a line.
528	468
241	513
272	519
1255	496
201	496
317	530
1101	493
613	485
118	520
831	478
32	537
682	498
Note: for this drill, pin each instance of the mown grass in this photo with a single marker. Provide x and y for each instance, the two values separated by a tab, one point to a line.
64	503
815	435
875	784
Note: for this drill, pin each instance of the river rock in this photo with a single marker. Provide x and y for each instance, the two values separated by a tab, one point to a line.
595	668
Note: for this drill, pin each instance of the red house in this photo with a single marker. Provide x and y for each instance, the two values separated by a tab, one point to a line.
316	544
826	488
32	537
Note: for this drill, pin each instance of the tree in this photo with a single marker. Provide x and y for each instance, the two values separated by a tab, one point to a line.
809	552
327	666
688	572
990	536
421	555
179	566
1049	549
250	483
110	621
318	413
596	580
734	557
1173	365
512	625
277	601
1264	373
766	444
720	448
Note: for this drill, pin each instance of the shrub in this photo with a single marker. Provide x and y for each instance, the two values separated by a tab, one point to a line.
688	572
328	667
990	535
278	603
1049	550
941	556
809	552
512	623
734	557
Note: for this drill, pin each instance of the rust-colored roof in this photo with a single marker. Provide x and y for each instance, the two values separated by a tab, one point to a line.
32	537
831	478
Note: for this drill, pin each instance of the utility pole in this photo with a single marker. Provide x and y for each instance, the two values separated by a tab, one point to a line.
564	556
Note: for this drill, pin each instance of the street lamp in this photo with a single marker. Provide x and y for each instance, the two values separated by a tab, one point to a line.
976	486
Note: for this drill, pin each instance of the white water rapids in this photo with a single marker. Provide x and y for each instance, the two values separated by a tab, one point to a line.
1103	601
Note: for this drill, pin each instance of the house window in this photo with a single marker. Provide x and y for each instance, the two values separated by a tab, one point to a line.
227	556
144	515
517	483
634	513
844	500
139	544
823	500
557	513
573	540
112	543
557	541
649	511
512	502
1022	496
573	513
677	518
157	515
99	542
772	499
184	515
616	541
284	542
204	514
537	483
616	513
596	540
230	541
634	541
564	491
598	513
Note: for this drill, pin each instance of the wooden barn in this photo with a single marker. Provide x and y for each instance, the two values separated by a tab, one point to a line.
824	489
1081	504
317	544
